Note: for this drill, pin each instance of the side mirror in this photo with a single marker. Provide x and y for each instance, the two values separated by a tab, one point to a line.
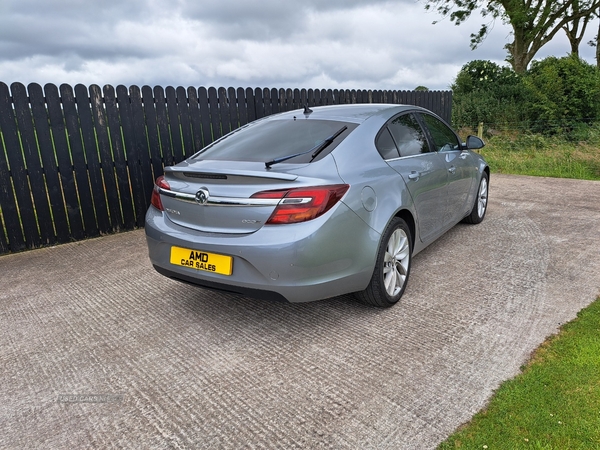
474	143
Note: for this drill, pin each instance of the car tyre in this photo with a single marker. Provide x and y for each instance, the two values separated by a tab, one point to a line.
480	207
392	266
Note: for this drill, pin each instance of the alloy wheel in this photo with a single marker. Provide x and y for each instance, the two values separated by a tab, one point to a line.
482	197
396	262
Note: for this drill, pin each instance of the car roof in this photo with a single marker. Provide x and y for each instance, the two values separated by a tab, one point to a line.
356	113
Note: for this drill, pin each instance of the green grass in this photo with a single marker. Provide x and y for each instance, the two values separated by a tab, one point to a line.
528	154
553	404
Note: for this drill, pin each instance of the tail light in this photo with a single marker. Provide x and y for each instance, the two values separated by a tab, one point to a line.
155	200
302	204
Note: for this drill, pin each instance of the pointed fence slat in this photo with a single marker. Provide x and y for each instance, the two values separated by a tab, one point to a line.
77	162
204	116
50	169
105	161
152	132
118	155
14	240
18	169
82	182
34	165
195	119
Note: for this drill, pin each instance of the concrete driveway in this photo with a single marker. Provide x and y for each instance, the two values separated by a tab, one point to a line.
99	351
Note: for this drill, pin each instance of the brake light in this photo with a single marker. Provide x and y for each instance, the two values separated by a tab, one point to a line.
302	204
155	200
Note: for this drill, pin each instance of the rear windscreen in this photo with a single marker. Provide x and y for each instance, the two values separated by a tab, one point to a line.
267	140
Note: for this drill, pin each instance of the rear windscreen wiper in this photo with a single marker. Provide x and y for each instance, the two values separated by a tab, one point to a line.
315	150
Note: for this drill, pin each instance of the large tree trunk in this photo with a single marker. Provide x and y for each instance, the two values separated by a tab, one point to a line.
572	33
574	40
524	46
529	36
575	29
519	54
598	45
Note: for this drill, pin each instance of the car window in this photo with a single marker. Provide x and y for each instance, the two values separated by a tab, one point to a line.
409	136
270	139
443	137
385	145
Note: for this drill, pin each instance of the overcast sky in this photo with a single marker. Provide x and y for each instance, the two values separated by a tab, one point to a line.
350	44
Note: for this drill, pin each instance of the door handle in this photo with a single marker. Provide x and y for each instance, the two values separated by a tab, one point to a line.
452	170
414	175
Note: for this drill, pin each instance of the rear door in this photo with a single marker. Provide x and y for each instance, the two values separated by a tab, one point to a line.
459	166
403	144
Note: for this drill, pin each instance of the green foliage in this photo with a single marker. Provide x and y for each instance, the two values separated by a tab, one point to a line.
533	22
542	155
557	95
480	75
564	92
460	10
486	92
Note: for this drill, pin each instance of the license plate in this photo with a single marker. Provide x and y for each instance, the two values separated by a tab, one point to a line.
199	260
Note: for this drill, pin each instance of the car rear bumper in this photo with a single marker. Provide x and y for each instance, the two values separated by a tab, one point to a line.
331	255
215	286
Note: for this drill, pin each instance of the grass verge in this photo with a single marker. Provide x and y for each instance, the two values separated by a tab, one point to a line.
553	404
537	155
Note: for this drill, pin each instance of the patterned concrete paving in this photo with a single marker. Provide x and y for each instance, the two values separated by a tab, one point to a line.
99	351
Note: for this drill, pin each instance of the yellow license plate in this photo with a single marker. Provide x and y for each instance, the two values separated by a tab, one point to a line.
199	260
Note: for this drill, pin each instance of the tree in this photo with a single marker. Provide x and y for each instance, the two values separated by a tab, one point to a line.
594	43
534	22
563	92
485	92
598	49
572	30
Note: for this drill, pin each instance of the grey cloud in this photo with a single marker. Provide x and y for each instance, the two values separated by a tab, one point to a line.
56	27
374	44
24	36
268	11
84	10
268	19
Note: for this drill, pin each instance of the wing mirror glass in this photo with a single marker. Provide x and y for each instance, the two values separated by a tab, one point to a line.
474	143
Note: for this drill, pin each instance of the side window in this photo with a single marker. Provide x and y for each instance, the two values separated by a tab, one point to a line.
385	145
409	135
443	137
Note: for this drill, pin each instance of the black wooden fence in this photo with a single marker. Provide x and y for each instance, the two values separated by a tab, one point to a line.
80	162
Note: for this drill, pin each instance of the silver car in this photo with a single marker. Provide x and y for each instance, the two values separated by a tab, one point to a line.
314	203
